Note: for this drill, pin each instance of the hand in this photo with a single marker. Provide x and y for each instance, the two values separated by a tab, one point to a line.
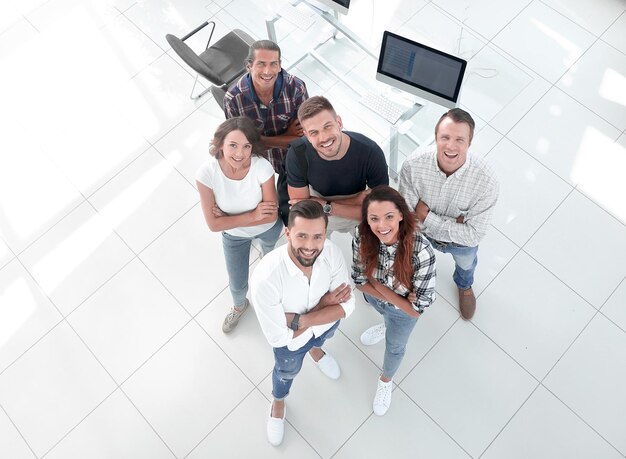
421	210
361	196
412	297
217	212
377	285
339	295
289	317
265	209
460	219
294	128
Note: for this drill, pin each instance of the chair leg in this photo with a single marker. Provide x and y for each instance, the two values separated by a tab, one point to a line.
191	96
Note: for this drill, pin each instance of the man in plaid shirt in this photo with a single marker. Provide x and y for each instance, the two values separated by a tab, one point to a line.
453	195
271	97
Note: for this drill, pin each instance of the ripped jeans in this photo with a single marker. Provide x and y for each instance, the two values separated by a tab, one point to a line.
287	364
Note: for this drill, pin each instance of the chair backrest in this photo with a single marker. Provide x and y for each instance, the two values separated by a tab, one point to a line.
222	62
190	58
219	93
227	55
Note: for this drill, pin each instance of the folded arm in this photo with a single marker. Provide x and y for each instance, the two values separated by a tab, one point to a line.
217	220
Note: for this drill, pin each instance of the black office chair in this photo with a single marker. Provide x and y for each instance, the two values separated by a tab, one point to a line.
222	64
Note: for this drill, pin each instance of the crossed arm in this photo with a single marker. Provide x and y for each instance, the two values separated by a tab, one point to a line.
217	220
347	208
326	311
384	293
294	131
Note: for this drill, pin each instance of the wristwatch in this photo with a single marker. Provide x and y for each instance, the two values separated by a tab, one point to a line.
328	207
294	322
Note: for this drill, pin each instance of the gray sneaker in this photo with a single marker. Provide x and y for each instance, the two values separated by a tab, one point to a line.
232	319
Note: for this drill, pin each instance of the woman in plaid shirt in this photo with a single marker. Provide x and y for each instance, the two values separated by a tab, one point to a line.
394	266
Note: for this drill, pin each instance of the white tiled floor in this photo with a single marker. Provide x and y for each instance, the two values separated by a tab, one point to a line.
112	288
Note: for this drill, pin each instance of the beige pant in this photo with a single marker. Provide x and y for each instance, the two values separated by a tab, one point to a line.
339	224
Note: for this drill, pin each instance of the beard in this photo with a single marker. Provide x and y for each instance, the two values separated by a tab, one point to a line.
305	262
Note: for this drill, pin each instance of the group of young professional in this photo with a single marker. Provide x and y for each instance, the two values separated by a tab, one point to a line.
300	291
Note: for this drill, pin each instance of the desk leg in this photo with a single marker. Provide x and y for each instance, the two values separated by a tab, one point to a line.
271	28
393	153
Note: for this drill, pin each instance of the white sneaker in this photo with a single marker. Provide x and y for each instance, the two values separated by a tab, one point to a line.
328	365
373	334
276	428
382	400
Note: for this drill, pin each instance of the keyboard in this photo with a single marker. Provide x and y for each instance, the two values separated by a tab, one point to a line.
296	16
382	106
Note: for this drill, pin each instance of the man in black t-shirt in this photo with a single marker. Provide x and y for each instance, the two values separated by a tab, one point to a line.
342	165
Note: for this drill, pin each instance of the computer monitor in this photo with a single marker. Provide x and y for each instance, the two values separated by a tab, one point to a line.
340	6
420	70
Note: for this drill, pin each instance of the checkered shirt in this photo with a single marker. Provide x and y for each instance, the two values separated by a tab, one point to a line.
424	272
241	100
472	191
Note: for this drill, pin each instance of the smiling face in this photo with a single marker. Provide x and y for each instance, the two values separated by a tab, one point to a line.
383	218
237	150
453	140
264	69
323	130
306	240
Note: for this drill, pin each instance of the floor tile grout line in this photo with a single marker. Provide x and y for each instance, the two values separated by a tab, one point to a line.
352	435
509	420
60	318
570	20
446	331
596	311
147	422
560	280
208	434
581	418
18	430
580	25
489	338
117	385
153	354
555	88
72	428
226	354
291	424
433	420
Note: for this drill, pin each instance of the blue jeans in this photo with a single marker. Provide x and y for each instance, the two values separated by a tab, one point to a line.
237	256
465	261
399	326
287	364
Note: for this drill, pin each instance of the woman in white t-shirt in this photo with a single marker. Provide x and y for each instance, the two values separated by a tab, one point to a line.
239	199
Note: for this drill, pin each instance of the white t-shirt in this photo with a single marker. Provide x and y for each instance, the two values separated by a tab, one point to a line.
238	196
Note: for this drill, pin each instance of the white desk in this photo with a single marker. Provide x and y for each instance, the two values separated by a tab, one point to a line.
333	20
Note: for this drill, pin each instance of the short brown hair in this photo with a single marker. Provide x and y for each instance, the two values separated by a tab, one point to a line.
307	208
239	123
458	115
314	105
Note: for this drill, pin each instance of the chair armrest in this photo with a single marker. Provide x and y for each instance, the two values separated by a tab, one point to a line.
199	28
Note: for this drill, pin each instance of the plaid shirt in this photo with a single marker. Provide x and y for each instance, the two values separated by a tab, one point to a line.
289	93
424	271
472	191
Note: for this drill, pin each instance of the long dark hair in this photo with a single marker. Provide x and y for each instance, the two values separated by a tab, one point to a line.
403	266
238	123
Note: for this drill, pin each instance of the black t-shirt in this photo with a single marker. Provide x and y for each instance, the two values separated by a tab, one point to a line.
362	166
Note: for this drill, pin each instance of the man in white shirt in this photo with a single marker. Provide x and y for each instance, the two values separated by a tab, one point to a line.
300	291
453	195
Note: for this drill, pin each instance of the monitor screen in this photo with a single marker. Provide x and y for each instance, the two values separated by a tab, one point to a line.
420	70
341	6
